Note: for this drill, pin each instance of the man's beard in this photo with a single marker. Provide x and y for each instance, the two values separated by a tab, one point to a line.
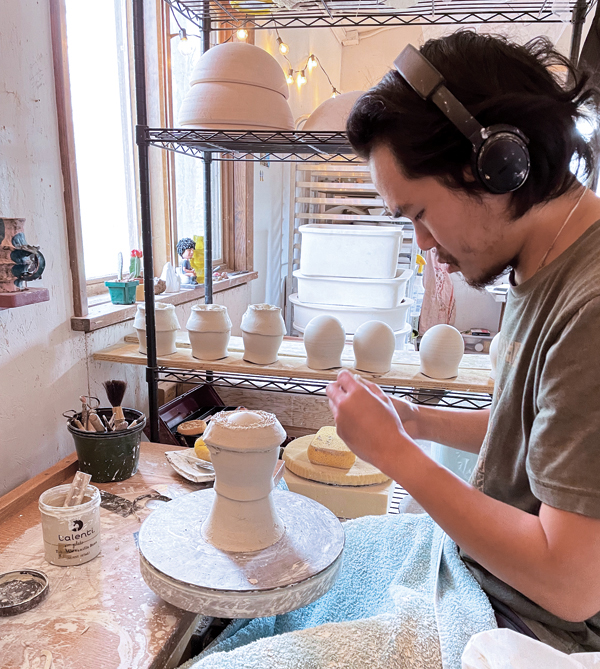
486	278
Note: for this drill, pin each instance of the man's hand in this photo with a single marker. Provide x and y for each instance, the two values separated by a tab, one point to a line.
365	419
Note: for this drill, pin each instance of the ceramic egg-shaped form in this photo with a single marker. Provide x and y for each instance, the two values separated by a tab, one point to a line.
263	329
442	348
324	339
494	355
374	343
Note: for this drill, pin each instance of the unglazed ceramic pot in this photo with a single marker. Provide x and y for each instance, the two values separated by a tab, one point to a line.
240	63
263	329
374	343
324	339
166	327
442	348
244	448
215	104
209	329
332	114
494	355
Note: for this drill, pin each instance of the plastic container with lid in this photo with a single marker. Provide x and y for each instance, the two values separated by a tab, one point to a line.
355	251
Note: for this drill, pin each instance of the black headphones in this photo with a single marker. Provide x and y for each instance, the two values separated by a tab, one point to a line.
500	157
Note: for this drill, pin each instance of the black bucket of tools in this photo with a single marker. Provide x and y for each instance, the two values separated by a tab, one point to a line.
109	456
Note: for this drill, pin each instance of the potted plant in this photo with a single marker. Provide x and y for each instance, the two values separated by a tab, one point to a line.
122	292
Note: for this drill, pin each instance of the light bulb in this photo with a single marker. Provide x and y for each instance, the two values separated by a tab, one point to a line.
242	34
312	62
290	76
301	78
335	93
185	47
283	47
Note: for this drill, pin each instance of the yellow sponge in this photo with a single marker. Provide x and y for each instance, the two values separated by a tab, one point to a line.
328	449
201	450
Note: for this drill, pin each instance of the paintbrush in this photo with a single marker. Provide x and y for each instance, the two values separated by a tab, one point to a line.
115	390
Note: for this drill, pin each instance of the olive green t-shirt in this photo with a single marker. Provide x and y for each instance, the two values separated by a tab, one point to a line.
543	438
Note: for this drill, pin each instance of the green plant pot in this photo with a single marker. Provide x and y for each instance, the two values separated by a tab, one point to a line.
122	292
109	456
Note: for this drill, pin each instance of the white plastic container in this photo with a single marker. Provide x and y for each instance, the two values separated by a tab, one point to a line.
344	291
355	251
350	317
72	533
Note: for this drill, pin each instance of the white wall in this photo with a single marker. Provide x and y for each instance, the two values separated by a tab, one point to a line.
44	366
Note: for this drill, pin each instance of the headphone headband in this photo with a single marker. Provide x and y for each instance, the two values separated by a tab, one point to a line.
500	155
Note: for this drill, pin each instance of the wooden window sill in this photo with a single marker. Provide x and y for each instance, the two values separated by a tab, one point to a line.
106	314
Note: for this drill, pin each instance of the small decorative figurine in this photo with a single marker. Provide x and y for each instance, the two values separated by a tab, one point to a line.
19	262
185	250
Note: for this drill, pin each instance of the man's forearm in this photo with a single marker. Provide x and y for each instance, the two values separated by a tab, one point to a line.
508	542
459	428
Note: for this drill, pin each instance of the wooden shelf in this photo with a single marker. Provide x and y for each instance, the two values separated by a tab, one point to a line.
473	376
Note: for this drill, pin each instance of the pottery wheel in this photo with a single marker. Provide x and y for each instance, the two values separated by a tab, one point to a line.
188	572
295	456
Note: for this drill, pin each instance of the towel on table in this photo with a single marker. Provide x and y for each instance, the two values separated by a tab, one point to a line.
404	599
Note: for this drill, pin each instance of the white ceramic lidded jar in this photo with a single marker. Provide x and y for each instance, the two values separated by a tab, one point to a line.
244	449
263	329
166	326
209	329
442	348
374	343
324	339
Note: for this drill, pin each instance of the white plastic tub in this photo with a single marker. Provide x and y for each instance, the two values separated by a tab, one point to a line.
355	251
343	291
350	317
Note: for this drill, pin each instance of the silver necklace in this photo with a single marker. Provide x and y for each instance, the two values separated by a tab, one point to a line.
562	227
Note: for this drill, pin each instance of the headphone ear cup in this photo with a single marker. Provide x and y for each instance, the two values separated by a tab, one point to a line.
502	162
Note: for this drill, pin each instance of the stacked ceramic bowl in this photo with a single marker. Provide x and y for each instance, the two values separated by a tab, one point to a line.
237	86
351	272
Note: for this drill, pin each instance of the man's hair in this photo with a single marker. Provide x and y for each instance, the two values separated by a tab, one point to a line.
532	87
185	244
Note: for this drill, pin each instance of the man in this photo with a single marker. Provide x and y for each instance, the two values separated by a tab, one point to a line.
529	525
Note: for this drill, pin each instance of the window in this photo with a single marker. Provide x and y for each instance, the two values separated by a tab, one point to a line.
93	66
103	131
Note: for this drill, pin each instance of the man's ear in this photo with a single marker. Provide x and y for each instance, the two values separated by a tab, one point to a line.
468	174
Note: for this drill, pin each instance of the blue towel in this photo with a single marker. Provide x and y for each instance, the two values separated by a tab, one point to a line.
404	599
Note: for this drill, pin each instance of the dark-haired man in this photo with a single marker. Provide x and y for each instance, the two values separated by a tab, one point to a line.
529	525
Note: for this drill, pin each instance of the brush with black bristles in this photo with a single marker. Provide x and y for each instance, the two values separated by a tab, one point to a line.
115	390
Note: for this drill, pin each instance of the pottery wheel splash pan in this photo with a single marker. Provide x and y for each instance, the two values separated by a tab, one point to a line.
188	572
22	590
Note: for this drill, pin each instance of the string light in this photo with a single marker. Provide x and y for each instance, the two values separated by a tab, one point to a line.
242	34
185	47
283	47
311	63
301	78
335	92
290	76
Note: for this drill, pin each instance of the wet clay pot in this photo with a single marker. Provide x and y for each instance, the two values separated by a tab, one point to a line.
374	343
442	348
209	329
166	323
263	329
324	339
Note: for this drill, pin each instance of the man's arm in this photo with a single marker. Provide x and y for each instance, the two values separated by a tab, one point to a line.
551	558
459	428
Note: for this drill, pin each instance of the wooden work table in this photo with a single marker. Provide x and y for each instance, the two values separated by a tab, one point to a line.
99	615
473	376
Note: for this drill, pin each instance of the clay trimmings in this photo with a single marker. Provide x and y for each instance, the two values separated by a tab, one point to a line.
253	430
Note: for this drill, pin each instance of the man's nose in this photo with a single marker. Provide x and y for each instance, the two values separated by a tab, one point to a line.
425	240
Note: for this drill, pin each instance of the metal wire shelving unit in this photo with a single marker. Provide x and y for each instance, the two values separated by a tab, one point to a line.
221	145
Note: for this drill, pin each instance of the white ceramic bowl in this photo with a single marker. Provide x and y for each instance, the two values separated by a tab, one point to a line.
332	114
237	106
241	63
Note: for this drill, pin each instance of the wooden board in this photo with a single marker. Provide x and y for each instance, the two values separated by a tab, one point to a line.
100	614
473	376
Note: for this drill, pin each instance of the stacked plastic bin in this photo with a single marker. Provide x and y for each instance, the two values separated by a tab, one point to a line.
351	272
